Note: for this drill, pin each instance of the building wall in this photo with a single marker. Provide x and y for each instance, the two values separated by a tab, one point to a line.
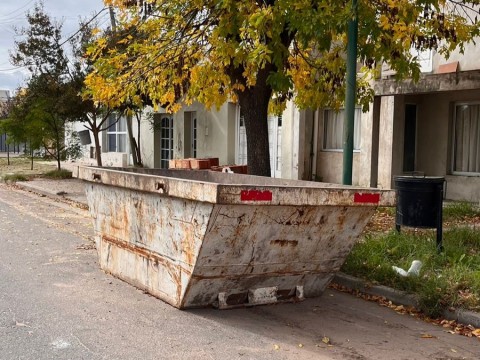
362	161
466	61
330	167
433	116
435	146
147	138
465	188
433	140
329	163
307	142
390	146
290	142
114	159
215	134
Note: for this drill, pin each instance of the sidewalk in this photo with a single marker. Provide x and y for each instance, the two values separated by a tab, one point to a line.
73	190
69	189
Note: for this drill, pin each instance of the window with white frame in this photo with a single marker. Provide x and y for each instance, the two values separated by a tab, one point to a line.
333	129
116	134
466	139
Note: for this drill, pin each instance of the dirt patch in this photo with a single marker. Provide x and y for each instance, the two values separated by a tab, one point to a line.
22	165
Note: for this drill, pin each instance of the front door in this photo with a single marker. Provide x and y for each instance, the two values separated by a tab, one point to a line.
164	129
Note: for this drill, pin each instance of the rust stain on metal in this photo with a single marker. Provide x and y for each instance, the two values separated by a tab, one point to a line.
187	242
141	251
283	243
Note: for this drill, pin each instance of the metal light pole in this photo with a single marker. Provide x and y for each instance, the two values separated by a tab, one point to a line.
350	95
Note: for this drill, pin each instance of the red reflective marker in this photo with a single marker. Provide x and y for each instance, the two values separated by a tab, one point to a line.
255	195
366	198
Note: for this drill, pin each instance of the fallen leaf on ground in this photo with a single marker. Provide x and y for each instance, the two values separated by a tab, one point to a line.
300	345
326	340
427	336
276	347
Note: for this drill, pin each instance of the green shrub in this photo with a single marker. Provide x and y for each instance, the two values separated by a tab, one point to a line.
58	174
14	178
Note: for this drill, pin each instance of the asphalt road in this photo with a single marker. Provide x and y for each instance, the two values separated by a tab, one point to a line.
55	303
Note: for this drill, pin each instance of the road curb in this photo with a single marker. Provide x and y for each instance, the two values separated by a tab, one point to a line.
36	189
402	298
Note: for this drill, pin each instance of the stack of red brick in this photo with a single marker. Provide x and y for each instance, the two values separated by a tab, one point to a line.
206	164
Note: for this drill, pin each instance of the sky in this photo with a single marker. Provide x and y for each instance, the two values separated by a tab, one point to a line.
12	14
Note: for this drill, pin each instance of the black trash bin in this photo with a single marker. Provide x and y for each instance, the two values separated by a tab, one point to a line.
419	203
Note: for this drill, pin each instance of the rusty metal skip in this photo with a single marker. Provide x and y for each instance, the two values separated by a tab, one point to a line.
202	238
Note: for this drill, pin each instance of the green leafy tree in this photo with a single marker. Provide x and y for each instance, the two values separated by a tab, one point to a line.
24	124
57	81
83	108
94	114
6	108
261	53
39	50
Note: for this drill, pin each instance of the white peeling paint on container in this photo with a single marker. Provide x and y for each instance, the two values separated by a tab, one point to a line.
197	239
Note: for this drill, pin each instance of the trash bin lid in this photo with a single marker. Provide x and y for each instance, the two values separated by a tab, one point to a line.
419	179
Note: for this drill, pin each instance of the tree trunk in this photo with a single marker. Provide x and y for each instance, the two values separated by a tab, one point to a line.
58	150
96	140
254	107
58	153
31	157
139	155
133	144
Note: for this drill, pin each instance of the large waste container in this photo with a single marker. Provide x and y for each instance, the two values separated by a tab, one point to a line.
420	203
200	238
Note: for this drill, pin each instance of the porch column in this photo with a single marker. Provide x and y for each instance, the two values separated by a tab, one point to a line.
385	143
291	130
